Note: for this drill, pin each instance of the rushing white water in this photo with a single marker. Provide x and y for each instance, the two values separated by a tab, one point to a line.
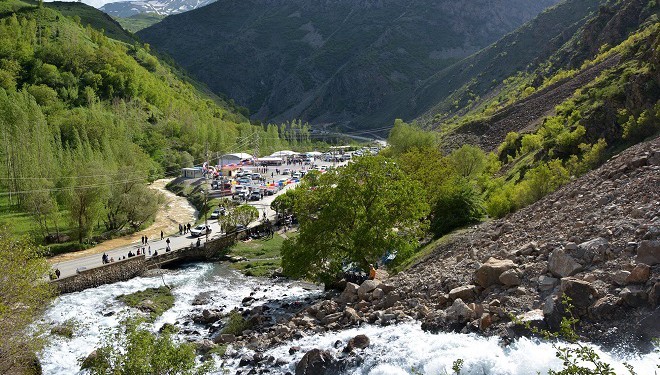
400	349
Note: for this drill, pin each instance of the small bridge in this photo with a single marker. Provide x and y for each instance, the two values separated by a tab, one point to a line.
212	250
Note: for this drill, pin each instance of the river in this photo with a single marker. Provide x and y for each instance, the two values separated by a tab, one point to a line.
399	349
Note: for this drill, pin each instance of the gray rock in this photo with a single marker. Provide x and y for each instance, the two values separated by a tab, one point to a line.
366	287
547	283
377	294
561	264
467	293
592	250
459	312
224	338
489	273
619	277
648	252
510	278
357	342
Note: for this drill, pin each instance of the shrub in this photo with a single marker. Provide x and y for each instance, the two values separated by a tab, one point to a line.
458	203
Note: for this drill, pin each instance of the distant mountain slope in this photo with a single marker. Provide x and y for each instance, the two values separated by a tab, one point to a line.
93	17
336	62
584	73
160	7
139	21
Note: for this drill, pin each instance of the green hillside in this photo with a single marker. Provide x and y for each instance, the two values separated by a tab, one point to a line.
87	119
340	62
139	21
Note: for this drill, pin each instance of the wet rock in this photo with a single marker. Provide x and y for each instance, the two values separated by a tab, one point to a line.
247	301
510	278
654	295
561	264
357	342
648	252
317	362
581	292
485	321
467	293
202	299
639	275
367	287
205	346
634	296
89	360
604	308
224	338
489	272
351	315
293	350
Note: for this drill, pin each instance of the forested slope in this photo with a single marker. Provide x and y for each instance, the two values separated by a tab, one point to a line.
86	120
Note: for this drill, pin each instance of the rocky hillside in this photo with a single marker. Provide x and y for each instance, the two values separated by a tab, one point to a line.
337	62
597	240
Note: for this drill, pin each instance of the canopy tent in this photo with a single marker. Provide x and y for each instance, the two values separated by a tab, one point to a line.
314	153
284	153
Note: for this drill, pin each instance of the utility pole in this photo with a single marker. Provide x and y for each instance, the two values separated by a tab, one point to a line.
206	197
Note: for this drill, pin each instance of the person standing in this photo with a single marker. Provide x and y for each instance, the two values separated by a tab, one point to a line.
188	227
180	229
161	235
168	244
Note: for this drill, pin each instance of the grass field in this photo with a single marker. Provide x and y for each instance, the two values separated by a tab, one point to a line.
263	255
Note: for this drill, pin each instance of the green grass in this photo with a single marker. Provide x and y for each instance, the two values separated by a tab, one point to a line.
424	251
139	21
235	324
155	301
264	255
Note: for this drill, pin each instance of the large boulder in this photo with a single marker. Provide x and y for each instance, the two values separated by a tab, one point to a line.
582	293
639	275
547	283
367	287
357	342
350	293
561	264
510	278
592	250
634	296
459	312
466	293
648	252
489	272
316	362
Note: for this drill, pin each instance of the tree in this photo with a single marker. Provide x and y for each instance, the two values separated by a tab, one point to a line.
136	350
355	215
23	296
244	215
404	138
469	161
85	199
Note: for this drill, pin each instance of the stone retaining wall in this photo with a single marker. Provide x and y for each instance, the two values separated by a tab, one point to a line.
127	269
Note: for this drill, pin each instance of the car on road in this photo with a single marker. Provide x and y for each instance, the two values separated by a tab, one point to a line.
286	171
200	230
218	212
297	175
255	196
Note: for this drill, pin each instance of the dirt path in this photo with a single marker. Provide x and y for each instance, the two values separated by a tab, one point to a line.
175	210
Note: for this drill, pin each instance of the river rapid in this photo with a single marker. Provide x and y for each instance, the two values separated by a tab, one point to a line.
400	349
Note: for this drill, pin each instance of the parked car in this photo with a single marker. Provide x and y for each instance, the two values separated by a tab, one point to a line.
255	196
215	214
256	176
286	171
200	230
297	175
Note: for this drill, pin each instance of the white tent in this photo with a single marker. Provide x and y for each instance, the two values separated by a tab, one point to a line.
314	153
284	153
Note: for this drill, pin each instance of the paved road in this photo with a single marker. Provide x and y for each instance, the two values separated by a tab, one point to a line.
177	241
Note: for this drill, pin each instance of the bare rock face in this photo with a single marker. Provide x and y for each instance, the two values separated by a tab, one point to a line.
316	362
562	264
582	293
467	293
648	252
489	273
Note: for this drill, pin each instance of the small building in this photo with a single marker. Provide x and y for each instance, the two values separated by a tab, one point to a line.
195	172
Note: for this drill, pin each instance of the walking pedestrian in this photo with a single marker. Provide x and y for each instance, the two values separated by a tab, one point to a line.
142	240
149	250
161	235
188	227
180	229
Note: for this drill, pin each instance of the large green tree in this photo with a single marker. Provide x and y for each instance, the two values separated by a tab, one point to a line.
355	215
